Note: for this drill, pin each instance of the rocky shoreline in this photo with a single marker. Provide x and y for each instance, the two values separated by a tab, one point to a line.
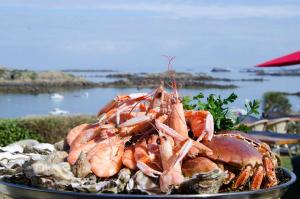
183	79
24	81
43	87
261	72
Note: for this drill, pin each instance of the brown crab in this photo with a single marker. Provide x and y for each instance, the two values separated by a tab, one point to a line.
250	157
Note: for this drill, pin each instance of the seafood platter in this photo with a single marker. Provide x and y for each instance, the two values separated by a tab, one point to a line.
145	145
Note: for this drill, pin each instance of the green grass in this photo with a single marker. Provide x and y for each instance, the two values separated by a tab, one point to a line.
286	162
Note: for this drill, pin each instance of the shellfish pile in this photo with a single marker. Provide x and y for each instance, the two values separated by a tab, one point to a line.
144	143
152	135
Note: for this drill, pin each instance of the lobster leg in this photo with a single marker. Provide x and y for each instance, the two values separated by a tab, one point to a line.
197	146
148	170
257	177
243	177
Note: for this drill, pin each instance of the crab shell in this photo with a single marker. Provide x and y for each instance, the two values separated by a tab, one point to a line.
236	151
233	151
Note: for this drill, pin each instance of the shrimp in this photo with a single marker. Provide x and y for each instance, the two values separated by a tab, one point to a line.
123	103
177	118
170	159
74	132
196	149
106	160
147	156
87	139
128	159
121	99
172	174
140	123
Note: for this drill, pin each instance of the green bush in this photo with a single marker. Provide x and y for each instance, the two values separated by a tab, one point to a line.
275	103
11	131
48	129
53	128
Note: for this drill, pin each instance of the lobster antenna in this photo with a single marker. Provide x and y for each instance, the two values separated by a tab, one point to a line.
171	75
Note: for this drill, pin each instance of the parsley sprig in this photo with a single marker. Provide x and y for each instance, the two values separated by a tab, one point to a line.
218	107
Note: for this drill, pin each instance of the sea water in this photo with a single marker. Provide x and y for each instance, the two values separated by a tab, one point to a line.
89	101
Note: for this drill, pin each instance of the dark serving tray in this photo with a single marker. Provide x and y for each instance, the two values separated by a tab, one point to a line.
26	192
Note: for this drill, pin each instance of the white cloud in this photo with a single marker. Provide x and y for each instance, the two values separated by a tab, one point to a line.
172	9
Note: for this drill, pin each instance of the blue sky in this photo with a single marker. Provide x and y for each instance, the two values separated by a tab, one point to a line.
52	34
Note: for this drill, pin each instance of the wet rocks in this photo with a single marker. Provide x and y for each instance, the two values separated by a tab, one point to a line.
153	80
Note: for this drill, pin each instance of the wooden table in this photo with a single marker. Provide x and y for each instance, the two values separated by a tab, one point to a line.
276	138
295	119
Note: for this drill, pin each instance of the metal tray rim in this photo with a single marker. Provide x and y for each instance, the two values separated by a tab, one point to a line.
284	185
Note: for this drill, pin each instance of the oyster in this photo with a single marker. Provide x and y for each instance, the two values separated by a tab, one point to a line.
41	148
202	183
18	147
56	157
59	171
12	148
142	184
51	172
11	164
82	166
114	185
27	142
61	146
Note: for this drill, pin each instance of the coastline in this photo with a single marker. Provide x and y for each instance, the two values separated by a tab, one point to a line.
32	82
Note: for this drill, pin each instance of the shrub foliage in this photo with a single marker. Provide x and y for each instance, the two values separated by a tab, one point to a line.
48	129
11	131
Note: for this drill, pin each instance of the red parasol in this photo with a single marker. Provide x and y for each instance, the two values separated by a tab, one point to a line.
290	59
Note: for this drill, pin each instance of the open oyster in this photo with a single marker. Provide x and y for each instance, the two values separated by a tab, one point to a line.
52	172
142	184
114	185
202	183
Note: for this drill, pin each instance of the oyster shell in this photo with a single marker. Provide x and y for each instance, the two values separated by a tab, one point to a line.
50	172
142	184
41	148
27	142
82	166
11	164
59	171
56	157
114	185
61	145
202	183
12	148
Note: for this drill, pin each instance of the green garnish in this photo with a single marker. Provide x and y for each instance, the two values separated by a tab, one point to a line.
224	119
